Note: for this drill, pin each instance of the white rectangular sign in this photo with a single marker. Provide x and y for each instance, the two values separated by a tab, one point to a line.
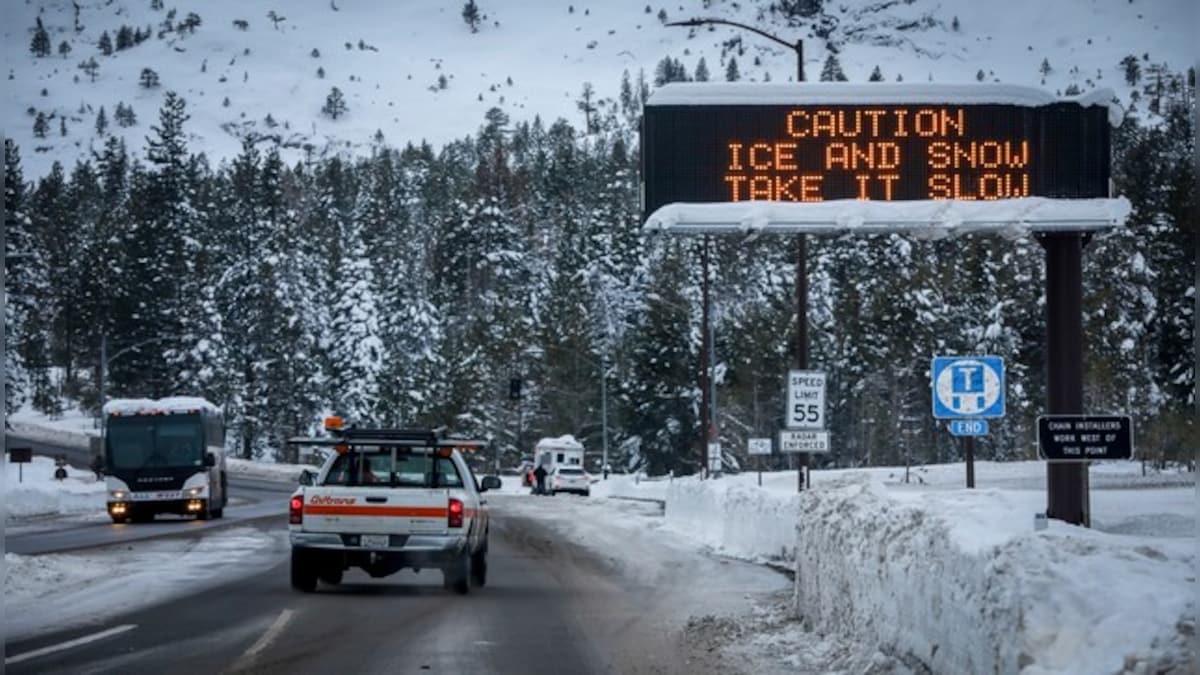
803	441
760	446
805	400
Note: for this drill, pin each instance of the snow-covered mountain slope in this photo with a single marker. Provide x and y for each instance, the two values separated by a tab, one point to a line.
415	70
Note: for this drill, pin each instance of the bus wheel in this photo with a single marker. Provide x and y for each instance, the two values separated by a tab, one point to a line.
218	513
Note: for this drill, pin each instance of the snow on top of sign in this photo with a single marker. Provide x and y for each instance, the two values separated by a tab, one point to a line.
844	93
134	406
924	219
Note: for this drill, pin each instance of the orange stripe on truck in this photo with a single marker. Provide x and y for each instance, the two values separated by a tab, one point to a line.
410	511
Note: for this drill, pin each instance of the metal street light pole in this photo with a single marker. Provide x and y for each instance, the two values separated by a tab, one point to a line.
105	359
801	241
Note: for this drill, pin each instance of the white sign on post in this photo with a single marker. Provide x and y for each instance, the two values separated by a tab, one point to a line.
760	446
714	457
803	441
805	400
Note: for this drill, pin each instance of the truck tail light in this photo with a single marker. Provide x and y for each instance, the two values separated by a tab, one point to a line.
296	511
455	514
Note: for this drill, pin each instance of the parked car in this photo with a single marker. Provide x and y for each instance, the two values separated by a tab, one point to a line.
569	479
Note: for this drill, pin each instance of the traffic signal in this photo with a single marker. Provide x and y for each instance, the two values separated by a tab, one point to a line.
514	389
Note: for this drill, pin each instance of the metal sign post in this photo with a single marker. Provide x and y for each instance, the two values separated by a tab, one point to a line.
757	447
20	457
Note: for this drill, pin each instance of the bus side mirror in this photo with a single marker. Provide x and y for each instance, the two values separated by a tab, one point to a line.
490	483
210	459
308	477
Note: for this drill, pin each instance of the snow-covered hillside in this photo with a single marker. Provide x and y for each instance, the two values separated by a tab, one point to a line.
415	70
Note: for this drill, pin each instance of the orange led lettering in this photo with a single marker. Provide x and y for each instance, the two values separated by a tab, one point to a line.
735	186
754	163
926	123
783	190
887	179
958	193
784	157
810	188
735	150
990	154
868	157
990	186
1018	161
862	179
797	130
837	153
956	122
824	120
939	155
939	186
761	188
889	155
874	115
841	118
969	155
900	117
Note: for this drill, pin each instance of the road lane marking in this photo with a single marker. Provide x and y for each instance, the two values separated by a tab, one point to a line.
265	641
69	644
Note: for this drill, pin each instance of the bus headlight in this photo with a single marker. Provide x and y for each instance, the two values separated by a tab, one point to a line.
119	495
193	492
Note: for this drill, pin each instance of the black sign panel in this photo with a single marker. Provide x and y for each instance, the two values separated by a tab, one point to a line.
20	455
810	153
1080	438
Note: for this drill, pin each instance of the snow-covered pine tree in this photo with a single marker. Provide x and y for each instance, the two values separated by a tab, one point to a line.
335	103
659	394
21	277
40	44
832	70
731	70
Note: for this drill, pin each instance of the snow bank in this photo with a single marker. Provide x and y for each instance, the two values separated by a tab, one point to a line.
983	592
33	491
282	473
627	486
736	520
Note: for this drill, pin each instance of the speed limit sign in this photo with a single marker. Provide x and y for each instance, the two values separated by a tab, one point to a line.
805	400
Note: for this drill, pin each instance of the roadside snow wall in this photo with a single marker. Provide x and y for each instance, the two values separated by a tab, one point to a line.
1064	600
735	520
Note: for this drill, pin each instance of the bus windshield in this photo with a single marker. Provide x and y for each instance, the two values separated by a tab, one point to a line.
143	441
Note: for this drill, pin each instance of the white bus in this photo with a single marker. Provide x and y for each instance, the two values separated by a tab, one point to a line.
164	456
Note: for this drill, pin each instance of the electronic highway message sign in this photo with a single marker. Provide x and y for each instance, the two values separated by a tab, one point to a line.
727	147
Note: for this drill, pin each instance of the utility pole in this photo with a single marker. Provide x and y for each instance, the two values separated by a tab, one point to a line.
801	241
705	390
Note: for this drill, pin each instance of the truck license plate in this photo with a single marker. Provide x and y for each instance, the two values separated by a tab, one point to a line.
374	541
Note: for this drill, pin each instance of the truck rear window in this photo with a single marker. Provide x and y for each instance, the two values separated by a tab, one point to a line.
383	469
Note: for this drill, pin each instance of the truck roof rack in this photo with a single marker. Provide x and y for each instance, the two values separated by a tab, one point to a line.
413	436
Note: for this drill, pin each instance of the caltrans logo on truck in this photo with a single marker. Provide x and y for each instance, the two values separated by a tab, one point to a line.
318	500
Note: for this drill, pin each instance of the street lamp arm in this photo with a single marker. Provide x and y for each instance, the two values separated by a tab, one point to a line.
138	345
752	29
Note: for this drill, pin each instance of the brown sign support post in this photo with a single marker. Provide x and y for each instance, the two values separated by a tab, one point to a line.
1066	483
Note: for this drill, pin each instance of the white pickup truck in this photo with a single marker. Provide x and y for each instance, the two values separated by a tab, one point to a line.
390	499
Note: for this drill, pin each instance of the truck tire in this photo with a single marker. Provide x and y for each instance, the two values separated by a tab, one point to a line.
479	567
331	570
457	577
304	575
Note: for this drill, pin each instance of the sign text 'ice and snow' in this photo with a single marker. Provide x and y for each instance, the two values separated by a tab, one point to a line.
814	153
